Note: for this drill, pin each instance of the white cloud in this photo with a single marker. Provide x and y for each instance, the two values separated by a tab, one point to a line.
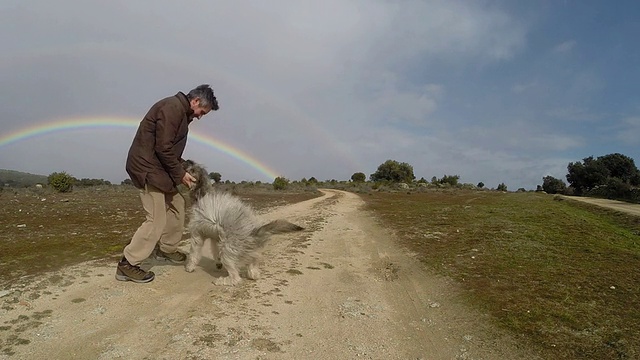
574	113
629	132
520	88
565	47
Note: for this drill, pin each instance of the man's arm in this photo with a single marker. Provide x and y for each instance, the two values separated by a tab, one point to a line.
166	129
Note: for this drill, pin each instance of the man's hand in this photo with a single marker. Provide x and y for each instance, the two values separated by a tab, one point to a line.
188	180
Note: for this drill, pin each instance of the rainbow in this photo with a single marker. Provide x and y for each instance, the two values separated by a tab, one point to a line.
204	69
55	126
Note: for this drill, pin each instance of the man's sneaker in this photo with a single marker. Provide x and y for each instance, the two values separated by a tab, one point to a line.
175	257
128	272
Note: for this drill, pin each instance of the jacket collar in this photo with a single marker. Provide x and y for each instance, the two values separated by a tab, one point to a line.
185	102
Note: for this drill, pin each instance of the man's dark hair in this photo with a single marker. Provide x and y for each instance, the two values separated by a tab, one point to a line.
204	92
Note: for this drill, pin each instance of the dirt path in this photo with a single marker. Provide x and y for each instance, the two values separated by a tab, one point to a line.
629	208
340	290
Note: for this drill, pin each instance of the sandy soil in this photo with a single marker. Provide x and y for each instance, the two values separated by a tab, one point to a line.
629	208
339	290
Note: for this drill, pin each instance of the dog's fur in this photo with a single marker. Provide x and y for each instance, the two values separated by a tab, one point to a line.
237	234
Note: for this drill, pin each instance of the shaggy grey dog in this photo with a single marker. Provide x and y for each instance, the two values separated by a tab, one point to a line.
236	233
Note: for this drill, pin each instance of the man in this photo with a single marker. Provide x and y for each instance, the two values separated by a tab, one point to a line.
154	164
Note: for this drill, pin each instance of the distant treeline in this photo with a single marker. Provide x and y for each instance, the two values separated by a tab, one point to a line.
14	178
18	179
613	176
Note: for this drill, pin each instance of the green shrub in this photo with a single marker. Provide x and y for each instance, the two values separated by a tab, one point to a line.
358	177
551	185
280	183
394	171
61	182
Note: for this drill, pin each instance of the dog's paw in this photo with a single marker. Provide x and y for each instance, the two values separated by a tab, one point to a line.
189	267
226	281
253	273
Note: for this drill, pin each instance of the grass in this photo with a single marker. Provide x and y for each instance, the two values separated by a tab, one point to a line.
45	231
559	274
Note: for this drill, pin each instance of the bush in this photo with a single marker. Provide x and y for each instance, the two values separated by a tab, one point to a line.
450	180
394	171
280	183
61	182
90	182
552	185
215	176
502	187
358	177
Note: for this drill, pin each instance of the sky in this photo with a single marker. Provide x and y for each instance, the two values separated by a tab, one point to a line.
492	91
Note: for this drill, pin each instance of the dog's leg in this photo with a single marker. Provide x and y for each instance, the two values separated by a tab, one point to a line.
232	268
215	253
195	254
253	271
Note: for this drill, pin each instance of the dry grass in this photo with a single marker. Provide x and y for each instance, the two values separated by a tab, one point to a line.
561	275
43	230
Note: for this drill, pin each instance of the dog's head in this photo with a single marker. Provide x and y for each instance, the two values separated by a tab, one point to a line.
203	184
196	170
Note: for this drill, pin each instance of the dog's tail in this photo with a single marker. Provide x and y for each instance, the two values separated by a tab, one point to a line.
205	224
277	227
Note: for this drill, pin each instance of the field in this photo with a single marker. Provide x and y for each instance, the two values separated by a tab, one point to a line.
43	230
560	275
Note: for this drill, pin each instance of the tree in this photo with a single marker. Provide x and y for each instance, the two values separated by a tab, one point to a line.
552	185
591	173
480	185
280	183
394	171
450	179
502	187
61	182
586	175
621	167
215	176
358	177
90	182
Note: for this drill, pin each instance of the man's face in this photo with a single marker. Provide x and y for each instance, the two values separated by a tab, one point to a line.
198	111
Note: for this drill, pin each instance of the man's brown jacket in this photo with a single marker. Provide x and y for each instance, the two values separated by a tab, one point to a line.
155	155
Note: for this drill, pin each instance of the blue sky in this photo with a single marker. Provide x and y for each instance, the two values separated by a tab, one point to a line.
493	91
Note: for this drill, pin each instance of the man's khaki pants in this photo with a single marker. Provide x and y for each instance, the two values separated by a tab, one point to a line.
164	224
